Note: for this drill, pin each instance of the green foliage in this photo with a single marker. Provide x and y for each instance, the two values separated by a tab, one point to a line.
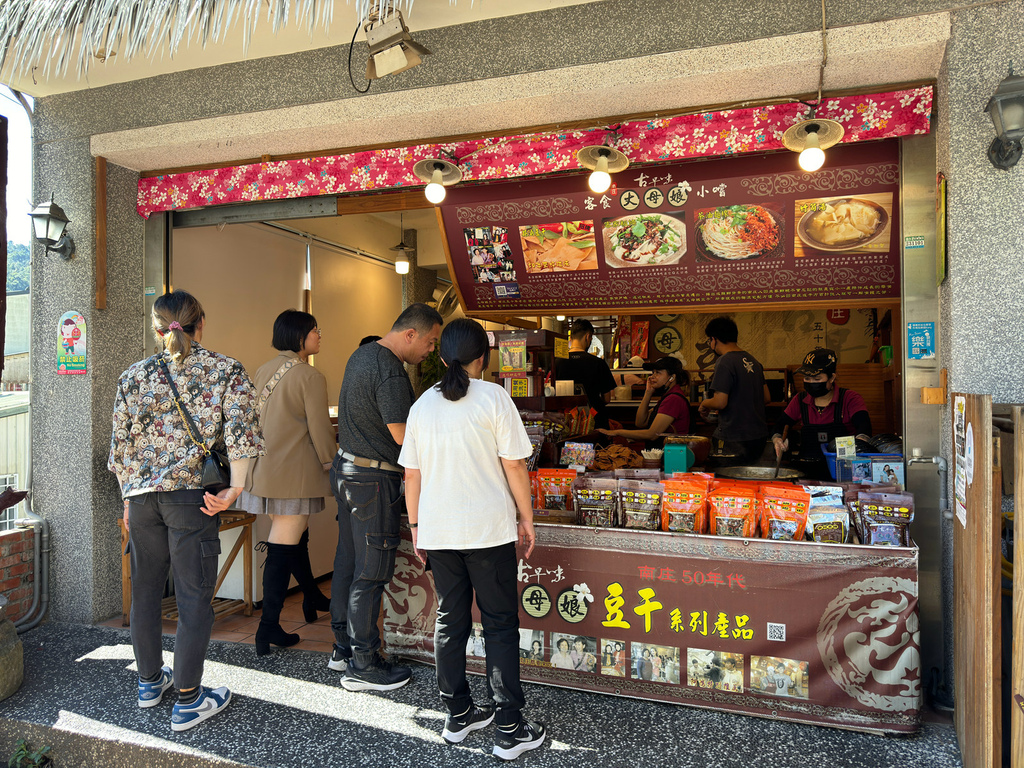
431	371
18	267
24	757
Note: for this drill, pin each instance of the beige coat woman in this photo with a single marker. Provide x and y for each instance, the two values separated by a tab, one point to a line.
297	432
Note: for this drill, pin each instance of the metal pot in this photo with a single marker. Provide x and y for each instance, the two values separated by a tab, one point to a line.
758	473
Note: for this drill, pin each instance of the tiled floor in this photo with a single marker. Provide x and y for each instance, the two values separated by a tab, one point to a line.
242	629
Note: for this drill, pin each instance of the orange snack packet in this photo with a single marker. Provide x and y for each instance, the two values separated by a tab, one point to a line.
732	511
784	512
684	506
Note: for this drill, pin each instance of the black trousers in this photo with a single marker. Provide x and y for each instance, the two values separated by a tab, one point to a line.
491	575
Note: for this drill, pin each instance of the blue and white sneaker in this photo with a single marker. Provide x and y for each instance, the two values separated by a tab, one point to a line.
210	702
151	693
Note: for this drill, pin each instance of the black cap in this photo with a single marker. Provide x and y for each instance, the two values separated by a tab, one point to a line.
670	364
819	361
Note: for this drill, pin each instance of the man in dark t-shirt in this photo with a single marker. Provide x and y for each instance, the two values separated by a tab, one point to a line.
587	370
739	392
376	395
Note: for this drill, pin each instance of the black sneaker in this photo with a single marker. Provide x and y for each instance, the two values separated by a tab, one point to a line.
339	660
456	729
381	675
509	746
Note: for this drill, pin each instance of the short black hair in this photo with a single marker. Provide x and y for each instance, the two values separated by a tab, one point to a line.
581	328
291	329
368	340
418	317
722	328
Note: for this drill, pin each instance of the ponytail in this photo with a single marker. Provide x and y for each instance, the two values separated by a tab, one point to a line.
455	383
462	341
176	317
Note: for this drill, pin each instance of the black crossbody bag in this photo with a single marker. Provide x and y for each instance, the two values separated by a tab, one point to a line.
216	469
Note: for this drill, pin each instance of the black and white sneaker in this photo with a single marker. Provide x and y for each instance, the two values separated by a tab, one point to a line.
381	675
456	729
509	746
339	660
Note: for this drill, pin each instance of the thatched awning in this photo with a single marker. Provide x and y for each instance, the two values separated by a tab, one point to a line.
53	33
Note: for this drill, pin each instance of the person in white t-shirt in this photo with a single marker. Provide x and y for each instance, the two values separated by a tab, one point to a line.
465	454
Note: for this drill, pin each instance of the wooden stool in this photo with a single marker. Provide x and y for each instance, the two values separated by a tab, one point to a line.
222	607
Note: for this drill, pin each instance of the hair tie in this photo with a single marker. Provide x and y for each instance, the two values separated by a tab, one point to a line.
175	326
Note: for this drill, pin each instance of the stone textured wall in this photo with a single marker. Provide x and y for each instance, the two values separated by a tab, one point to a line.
981	320
16	570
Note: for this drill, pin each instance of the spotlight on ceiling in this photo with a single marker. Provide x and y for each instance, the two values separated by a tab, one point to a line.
438	174
811	138
603	161
392	49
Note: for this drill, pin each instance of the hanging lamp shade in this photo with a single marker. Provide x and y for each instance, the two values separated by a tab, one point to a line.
812	136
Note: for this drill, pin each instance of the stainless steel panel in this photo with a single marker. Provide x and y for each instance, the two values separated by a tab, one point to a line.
922	422
156	271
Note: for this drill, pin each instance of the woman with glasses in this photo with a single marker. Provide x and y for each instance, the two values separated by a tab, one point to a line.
290	481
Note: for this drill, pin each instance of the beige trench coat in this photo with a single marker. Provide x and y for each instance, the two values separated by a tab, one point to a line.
297	433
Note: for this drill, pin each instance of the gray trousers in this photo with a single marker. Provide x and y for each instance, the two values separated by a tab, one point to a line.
169	531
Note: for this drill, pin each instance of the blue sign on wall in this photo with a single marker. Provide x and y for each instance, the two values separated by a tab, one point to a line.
921	341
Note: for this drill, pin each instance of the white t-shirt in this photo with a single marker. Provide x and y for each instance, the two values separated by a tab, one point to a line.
465	500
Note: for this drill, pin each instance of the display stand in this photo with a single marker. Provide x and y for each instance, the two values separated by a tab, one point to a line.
812	633
221	606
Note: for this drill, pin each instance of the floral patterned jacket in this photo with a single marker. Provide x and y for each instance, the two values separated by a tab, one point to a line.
150	449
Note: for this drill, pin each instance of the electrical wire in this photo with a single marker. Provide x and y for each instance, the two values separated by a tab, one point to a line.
824	53
352	79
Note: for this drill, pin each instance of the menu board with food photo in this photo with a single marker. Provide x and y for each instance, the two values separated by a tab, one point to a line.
740	232
743	231
564	246
848	224
652	239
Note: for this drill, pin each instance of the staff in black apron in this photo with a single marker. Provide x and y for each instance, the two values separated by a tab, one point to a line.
823	410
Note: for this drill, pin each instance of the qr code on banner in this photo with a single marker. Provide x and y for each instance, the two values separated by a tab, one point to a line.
777	632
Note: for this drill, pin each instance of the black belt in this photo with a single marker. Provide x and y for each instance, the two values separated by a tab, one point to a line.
359	461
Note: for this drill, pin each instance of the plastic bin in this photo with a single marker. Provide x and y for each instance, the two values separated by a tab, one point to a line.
830	459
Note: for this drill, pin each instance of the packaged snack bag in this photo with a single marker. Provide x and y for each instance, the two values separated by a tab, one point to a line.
579	454
640	504
784	512
554	489
828	525
732	511
638	474
886	518
533	489
595	502
684	507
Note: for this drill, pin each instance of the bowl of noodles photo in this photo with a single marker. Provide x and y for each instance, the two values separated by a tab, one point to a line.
842	224
739	232
650	239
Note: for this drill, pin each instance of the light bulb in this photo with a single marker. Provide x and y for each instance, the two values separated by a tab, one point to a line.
812	157
560	318
600	180
435	190
402	266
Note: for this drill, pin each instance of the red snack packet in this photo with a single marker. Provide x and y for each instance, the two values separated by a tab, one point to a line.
784	513
732	511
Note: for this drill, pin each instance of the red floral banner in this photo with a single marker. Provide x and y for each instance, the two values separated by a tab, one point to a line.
734	131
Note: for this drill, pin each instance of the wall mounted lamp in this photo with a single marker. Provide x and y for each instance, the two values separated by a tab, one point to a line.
49	222
1006	108
438	173
811	138
603	161
392	48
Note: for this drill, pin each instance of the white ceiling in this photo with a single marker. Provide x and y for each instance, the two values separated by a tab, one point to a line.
426	14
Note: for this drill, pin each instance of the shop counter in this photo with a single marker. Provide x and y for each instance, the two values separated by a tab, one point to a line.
813	633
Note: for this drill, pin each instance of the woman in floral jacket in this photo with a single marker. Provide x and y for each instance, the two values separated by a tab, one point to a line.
172	522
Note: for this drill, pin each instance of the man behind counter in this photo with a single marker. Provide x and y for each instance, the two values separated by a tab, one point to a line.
739	392
587	370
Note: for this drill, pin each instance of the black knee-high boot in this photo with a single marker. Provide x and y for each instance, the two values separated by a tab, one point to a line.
276	574
313	599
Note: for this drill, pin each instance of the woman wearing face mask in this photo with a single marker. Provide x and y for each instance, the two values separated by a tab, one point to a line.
671	414
824	410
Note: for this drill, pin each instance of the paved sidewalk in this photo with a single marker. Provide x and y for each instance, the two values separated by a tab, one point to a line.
288	710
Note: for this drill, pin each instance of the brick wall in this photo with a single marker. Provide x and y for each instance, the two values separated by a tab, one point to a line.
16	570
